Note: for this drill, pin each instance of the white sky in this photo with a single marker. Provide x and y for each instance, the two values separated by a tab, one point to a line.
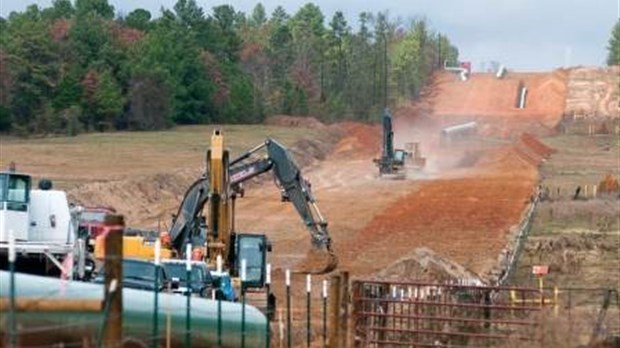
521	34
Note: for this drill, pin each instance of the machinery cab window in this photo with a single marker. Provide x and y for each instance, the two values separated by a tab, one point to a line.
252	249
14	191
399	156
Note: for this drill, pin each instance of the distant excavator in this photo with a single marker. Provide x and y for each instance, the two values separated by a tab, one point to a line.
214	195
394	162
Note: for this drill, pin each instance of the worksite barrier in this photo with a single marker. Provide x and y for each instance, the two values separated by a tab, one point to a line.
390	314
418	314
509	262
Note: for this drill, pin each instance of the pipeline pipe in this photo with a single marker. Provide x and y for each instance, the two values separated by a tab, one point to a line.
137	314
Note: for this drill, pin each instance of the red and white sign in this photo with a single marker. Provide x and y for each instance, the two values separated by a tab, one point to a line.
466	66
540	270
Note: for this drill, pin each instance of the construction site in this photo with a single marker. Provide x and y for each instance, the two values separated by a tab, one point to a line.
485	213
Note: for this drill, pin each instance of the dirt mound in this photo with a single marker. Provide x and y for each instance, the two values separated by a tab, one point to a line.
424	265
608	185
294	121
360	140
531	149
492	102
149	199
309	151
536	145
144	201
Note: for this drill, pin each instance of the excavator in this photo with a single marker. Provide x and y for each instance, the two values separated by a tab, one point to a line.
394	161
214	237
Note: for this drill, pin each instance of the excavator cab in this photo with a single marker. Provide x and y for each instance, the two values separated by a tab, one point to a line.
399	157
252	248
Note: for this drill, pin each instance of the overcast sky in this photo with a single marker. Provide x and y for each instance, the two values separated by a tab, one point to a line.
521	34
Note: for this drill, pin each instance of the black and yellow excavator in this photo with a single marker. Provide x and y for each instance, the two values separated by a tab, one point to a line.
396	161
206	217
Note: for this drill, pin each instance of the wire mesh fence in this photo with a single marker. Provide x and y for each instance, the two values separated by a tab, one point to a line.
392	314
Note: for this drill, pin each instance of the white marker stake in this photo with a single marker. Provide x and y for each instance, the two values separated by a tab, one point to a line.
288	277
188	257
157	251
113	285
268	277
324	288
308	283
12	253
243	274
218	262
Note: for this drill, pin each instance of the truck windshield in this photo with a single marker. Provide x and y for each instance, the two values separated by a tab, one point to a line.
14	188
139	270
177	270
93	216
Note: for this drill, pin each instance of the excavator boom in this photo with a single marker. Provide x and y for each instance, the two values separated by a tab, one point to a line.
295	187
213	186
185	220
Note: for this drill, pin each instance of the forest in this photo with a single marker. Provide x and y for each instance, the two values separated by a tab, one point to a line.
83	66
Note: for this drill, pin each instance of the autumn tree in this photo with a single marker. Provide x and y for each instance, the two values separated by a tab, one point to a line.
76	66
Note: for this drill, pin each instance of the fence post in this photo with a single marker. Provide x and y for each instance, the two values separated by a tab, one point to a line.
188	319
324	313
218	263
155	332
114	272
13	309
308	314
269	310
334	310
344	303
289	336
243	279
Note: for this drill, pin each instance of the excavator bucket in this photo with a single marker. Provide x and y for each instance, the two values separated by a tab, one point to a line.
318	261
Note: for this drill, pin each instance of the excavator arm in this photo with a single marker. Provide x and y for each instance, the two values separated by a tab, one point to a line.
185	226
297	189
188	215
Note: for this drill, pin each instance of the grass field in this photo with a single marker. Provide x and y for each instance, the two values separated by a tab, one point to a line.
122	155
578	239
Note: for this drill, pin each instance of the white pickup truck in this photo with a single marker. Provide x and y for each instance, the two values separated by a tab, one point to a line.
41	221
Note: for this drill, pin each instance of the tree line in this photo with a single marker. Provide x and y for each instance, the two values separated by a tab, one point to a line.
613	49
80	66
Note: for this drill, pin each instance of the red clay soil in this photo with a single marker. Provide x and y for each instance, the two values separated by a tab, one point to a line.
466	220
485	98
359	140
609	184
534	144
